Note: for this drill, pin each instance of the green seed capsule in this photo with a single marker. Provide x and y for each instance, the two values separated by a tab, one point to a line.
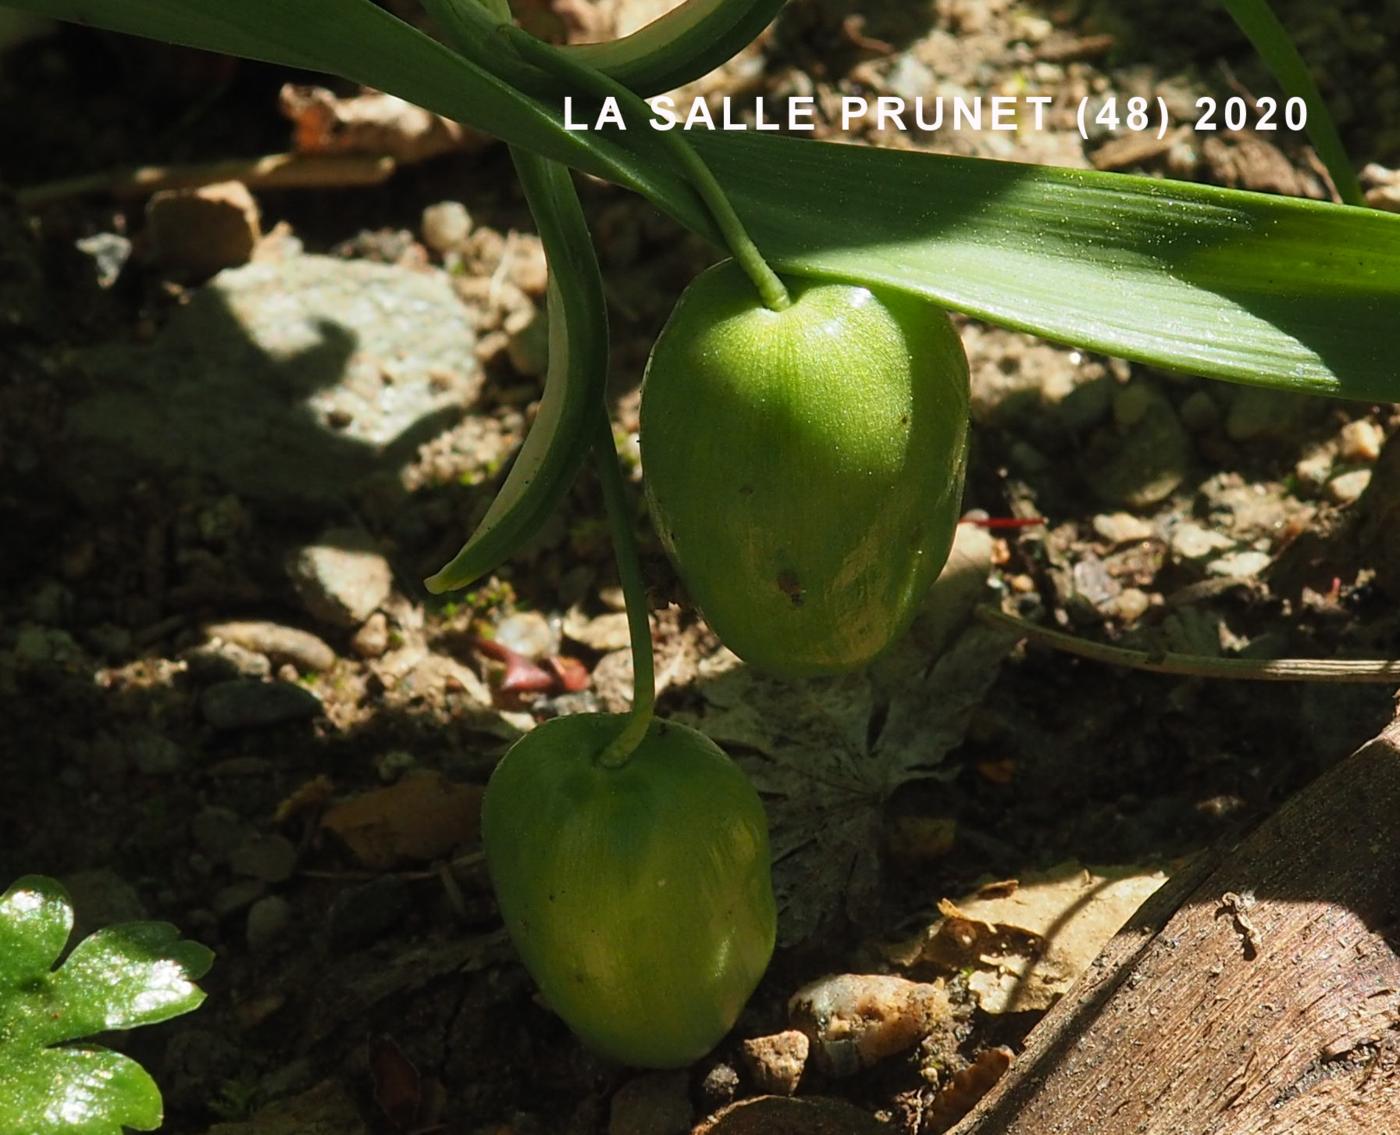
804	467
640	897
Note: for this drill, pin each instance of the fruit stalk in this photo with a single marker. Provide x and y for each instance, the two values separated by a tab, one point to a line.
629	572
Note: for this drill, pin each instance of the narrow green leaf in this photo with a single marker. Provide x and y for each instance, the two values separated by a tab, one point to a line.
1274	45
680	45
578	352
1239	286
578	366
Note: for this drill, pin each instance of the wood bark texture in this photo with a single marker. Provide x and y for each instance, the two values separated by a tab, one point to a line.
1258	993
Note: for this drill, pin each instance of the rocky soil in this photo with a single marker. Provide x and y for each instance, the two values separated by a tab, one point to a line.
239	424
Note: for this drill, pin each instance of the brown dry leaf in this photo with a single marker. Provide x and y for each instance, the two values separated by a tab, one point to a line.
825	754
370	123
398	1085
422	817
1029	946
306	797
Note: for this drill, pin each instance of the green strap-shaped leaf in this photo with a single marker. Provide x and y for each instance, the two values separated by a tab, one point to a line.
578	355
1233	285
680	45
578	366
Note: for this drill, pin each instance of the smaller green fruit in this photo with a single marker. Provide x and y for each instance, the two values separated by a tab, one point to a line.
640	897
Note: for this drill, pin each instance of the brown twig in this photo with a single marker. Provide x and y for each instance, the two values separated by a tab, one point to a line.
272	171
1384	671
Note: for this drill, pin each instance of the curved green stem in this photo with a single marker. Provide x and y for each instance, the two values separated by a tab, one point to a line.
629	571
741	245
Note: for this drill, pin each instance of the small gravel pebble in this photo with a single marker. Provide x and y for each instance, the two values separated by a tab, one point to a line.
271	858
233	898
1239	565
218	832
156	755
1129	605
446	226
211	661
1141	464
1260	414
1313	470
720	1085
247	703
854	1021
101	897
1361	441
268	919
1192	542
360	915
372	639
196	232
1348	487
281	644
1121	528
527	342
341	578
1199	412
657	1103
528	633
775	1063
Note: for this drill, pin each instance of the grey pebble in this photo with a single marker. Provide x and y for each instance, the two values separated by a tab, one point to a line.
101	897
271	858
719	1087
655	1103
342	578
217	832
302	649
372	639
1199	413
233	898
1260	414
268	919
247	703
197	1062
247	381
156	755
213	661
1142	463
360	915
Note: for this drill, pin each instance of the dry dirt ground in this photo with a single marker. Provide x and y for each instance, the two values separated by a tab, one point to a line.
227	702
